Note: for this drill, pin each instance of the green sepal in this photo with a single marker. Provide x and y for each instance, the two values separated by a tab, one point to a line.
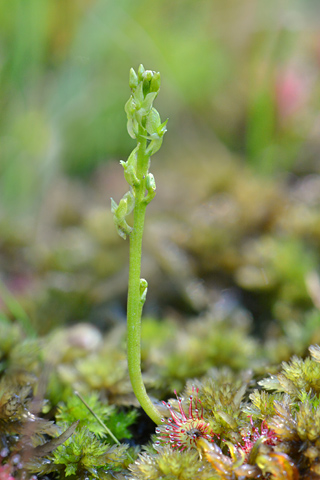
130	201
138	95
147	103
126	205
123	229
162	128
132	159
130	169
114	206
130	107
133	127
153	121
154	146
121	211
130	174
150	196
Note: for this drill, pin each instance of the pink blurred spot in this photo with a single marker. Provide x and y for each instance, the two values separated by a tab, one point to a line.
292	92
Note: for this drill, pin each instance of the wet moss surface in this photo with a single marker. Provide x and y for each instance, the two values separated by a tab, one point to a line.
232	311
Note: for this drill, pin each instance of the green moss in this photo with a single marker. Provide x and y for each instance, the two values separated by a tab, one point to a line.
169	464
117	422
84	456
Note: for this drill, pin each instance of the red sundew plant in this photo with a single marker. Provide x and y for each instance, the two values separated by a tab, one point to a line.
13	467
254	434
183	429
5	472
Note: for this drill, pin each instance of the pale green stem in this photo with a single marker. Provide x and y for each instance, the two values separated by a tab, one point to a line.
134	306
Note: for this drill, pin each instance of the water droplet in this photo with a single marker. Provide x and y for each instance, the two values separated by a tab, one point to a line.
169	405
4	452
15	459
157	442
190	398
157	430
163	419
46	461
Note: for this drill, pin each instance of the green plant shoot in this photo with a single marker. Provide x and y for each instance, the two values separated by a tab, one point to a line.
144	125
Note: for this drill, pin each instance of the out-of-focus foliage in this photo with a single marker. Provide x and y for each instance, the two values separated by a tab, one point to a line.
228	422
240	93
231	247
243	75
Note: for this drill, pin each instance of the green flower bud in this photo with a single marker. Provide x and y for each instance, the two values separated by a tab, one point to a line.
143	290
150	182
133	79
151	188
155	82
140	72
147	76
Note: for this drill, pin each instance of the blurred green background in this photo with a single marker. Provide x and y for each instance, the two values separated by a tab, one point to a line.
240	75
238	204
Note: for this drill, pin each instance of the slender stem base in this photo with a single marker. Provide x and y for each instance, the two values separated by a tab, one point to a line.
135	303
